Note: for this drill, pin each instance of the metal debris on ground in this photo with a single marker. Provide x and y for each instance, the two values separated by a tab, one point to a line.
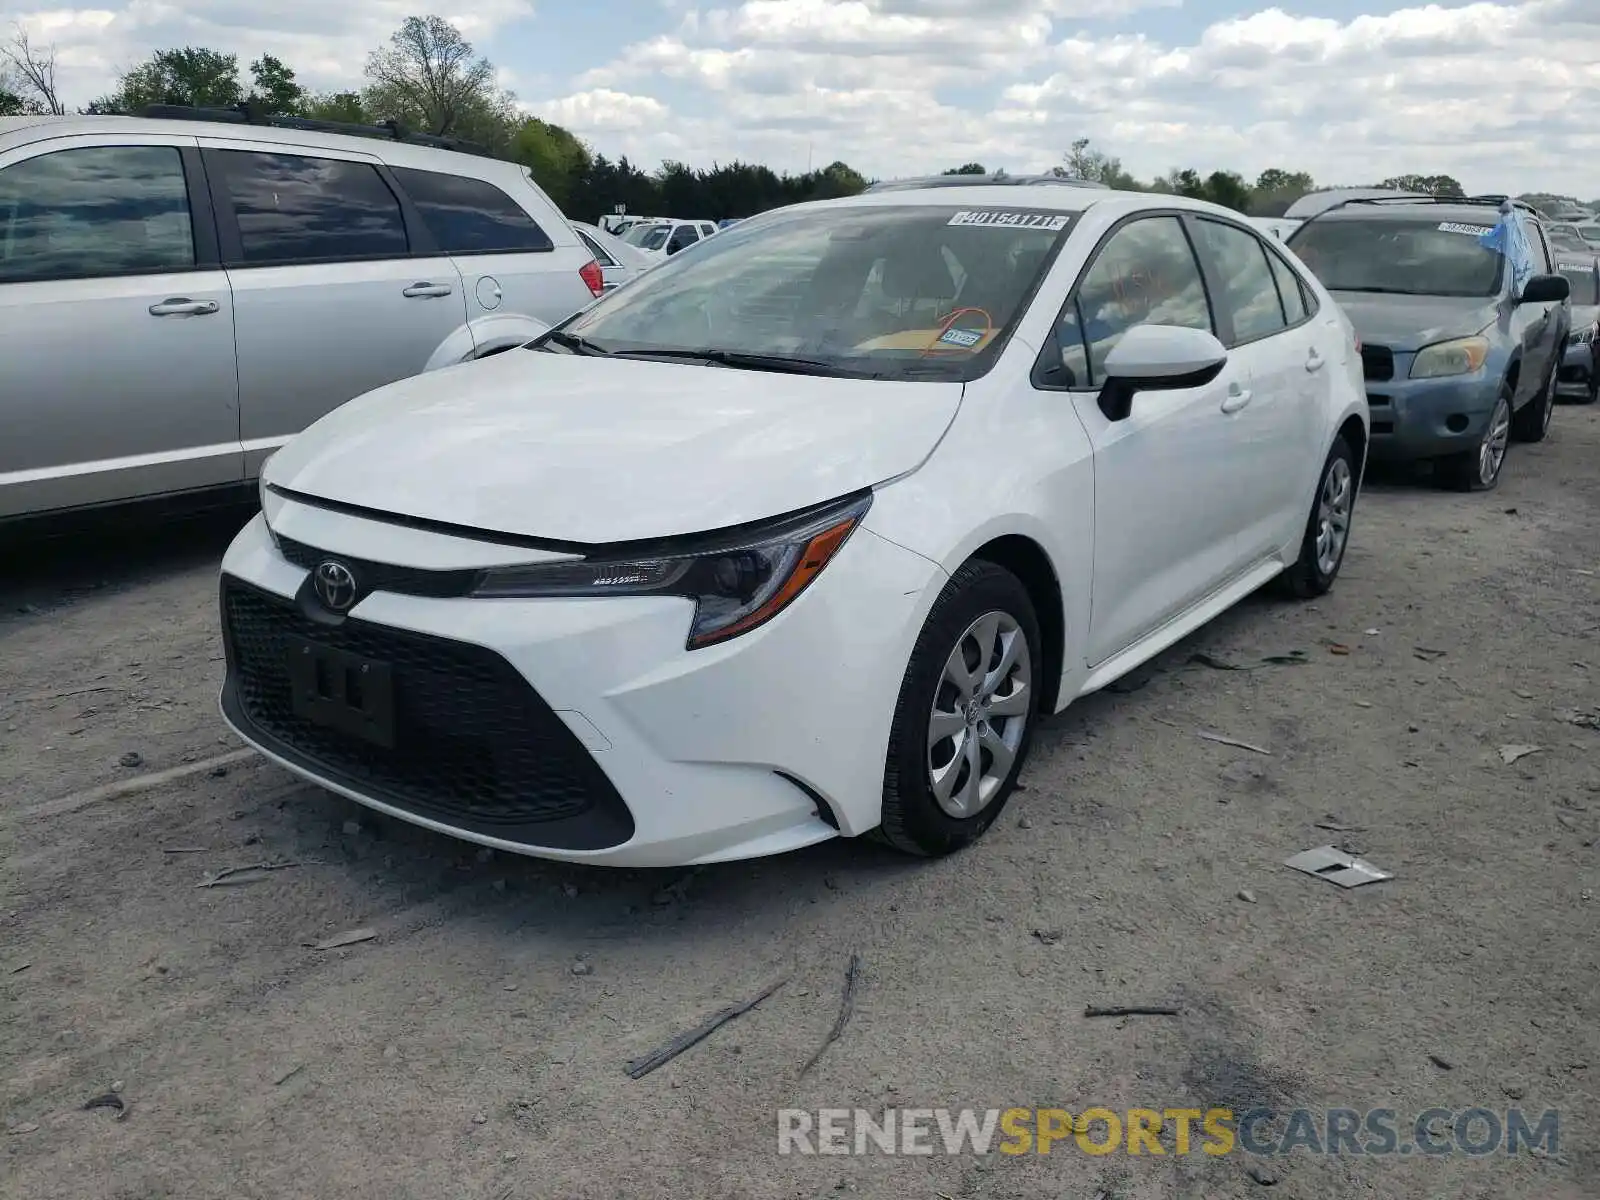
1295	658
1333	825
250	873
348	938
1047	937
131	758
1247	895
1215	663
847	1007
1338	648
1444	1064
1510	754
1580	718
288	1075
107	1100
1131	1010
1336	866
639	1067
1426	654
1223	739
25	1127
184	849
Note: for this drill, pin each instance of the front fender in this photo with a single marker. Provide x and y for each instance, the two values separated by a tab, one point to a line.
486	335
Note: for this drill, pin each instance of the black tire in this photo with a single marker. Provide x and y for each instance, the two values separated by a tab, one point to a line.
1467	471
1307	578
1532	421
1593	393
913	819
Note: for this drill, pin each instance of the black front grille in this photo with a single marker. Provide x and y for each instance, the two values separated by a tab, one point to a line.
475	746
385	577
1377	362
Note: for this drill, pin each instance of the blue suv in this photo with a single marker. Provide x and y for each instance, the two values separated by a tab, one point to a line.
1457	363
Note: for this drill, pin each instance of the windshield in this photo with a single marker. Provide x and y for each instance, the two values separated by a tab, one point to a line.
1585	287
1411	258
648	237
1589	233
882	292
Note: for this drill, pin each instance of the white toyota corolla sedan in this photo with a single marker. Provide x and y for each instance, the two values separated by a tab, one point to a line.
800	535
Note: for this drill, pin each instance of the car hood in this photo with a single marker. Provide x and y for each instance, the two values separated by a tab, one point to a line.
1408	323
587	449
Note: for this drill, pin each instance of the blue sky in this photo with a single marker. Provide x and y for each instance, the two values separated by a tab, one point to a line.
1500	93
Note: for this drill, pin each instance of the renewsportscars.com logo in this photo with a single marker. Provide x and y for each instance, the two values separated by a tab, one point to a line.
1475	1132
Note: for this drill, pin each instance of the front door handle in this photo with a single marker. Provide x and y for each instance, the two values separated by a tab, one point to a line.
1314	360
427	290
182	306
1236	399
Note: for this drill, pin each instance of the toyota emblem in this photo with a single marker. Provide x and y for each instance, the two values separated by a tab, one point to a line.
335	585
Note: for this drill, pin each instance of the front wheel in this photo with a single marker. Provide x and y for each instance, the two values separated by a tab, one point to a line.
1327	528
965	714
1478	469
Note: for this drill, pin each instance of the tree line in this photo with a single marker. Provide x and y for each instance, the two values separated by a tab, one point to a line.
429	79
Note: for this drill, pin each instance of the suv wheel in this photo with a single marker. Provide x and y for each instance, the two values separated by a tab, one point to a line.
1533	422
1478	469
965	714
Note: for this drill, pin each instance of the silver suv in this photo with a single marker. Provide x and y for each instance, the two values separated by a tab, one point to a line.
178	297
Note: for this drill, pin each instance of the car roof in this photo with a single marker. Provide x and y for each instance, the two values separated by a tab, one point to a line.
995	179
389	150
1402	210
1033	199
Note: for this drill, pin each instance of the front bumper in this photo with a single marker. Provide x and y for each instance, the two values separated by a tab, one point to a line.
651	755
1425	418
1579	367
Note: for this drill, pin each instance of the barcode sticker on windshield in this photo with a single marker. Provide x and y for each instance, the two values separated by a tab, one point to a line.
965	338
1472	230
1002	219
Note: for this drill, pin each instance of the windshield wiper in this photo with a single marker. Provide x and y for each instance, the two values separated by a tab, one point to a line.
572	342
739	358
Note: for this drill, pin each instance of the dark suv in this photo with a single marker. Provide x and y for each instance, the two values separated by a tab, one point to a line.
1456	363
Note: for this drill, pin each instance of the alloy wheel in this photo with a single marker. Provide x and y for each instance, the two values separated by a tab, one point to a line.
1492	450
1333	515
980	710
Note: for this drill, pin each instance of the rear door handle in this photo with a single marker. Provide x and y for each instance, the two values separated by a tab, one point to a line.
182	306
427	290
1236	399
1314	360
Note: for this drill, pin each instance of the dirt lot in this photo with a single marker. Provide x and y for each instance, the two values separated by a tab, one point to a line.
459	1054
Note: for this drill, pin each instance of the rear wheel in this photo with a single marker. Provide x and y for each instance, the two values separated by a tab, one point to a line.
1327	528
965	715
1533	422
1478	469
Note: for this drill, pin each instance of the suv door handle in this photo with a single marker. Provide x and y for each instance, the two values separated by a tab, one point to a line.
182	306
427	290
1314	360
1236	398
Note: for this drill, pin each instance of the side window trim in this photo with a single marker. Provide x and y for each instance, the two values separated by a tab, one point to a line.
231	243
1041	364
202	214
418	236
413	209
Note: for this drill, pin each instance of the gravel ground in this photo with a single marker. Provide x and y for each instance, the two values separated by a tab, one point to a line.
475	1046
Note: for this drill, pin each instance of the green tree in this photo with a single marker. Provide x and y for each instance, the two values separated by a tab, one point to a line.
553	155
1084	162
430	76
1276	189
1228	189
971	168
337	106
1428	185
276	90
838	179
190	75
28	76
11	104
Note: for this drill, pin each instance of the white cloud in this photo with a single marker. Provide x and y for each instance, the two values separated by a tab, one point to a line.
602	110
1499	92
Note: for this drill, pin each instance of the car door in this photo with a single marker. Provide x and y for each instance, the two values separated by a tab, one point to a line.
116	325
329	301
1165	474
1269	422
1535	325
512	264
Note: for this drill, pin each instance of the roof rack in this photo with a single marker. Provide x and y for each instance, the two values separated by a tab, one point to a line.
1403	200
249	114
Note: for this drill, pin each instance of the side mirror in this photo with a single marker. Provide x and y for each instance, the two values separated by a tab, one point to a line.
1158	358
1546	289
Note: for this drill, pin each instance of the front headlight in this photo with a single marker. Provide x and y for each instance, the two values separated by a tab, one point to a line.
737	581
1462	356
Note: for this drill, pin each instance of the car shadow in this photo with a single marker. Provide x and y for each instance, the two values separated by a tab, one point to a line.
47	565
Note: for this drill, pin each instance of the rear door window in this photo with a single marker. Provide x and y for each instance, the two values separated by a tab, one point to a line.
471	216
293	208
600	256
95	211
1249	292
1290	290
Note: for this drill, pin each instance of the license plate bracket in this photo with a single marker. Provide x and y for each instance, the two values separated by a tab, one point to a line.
342	691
